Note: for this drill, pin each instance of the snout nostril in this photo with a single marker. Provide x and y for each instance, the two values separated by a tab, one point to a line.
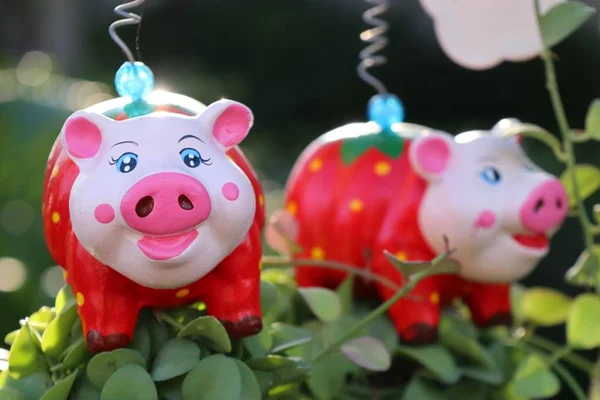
559	203
538	205
144	207
185	202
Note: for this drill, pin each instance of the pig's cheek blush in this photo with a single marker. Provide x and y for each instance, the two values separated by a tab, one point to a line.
486	219
230	191
104	213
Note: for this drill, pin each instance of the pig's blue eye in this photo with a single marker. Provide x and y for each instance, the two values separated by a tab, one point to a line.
192	158
491	175
126	163
529	167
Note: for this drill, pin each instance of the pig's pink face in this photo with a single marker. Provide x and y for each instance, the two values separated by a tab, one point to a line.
157	199
496	207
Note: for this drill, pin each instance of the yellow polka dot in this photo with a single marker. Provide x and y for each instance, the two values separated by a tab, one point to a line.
260	265
292	207
315	165
54	172
382	168
434	298
317	253
65	275
261	200
55	217
401	256
80	299
356	205
182	293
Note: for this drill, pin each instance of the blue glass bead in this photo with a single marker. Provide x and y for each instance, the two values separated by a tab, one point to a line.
134	80
385	109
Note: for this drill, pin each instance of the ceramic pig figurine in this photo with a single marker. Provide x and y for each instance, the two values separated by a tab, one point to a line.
479	189
156	211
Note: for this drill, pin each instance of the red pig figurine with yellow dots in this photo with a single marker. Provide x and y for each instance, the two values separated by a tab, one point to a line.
156	210
356	192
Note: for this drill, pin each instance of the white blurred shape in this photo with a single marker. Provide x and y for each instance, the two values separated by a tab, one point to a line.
16	217
34	68
480	34
12	274
52	280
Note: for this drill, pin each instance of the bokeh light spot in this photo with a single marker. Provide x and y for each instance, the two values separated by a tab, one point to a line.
52	280
34	68
16	217
12	274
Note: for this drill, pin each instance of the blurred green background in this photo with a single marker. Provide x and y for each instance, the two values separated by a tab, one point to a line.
292	62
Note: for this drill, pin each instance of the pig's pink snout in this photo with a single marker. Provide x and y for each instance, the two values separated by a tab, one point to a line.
545	208
165	203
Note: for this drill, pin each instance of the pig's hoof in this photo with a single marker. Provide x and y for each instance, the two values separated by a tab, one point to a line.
502	318
97	343
420	334
248	326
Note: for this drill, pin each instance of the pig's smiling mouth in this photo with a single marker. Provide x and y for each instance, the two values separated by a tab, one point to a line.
166	248
534	242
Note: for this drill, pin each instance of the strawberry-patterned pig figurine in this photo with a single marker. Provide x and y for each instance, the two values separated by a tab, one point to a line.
155	209
358	191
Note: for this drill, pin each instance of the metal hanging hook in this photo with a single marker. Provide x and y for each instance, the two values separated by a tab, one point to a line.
375	36
129	19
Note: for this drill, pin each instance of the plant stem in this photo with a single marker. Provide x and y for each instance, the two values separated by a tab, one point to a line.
570	381
169	320
574	359
274	260
559	111
413	281
559	353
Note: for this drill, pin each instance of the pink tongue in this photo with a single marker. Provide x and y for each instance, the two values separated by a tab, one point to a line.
165	248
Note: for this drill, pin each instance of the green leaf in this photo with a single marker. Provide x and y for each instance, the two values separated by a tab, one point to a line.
328	376
24	358
62	389
103	365
10	394
9	339
461	338
159	335
64	298
367	352
562	20
545	306
533	379
40	319
588	180
435	358
55	337
141	341
268	296
75	354
585	271
516	296
287	336
210	328
130	382
31	387
583	329
171	389
269	363
491	376
355	146
408	268
382	329
324	303
250	389
215	378
84	389
592	119
259	345
345	294
419	389
177	357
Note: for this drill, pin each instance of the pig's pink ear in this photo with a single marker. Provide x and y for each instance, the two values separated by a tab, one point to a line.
82	134
229	121
430	154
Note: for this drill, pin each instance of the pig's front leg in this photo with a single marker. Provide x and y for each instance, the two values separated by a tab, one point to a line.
231	292
416	316
489	303
107	304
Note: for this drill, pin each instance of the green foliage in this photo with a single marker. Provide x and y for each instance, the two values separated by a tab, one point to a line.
583	330
562	20
588	179
545	306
